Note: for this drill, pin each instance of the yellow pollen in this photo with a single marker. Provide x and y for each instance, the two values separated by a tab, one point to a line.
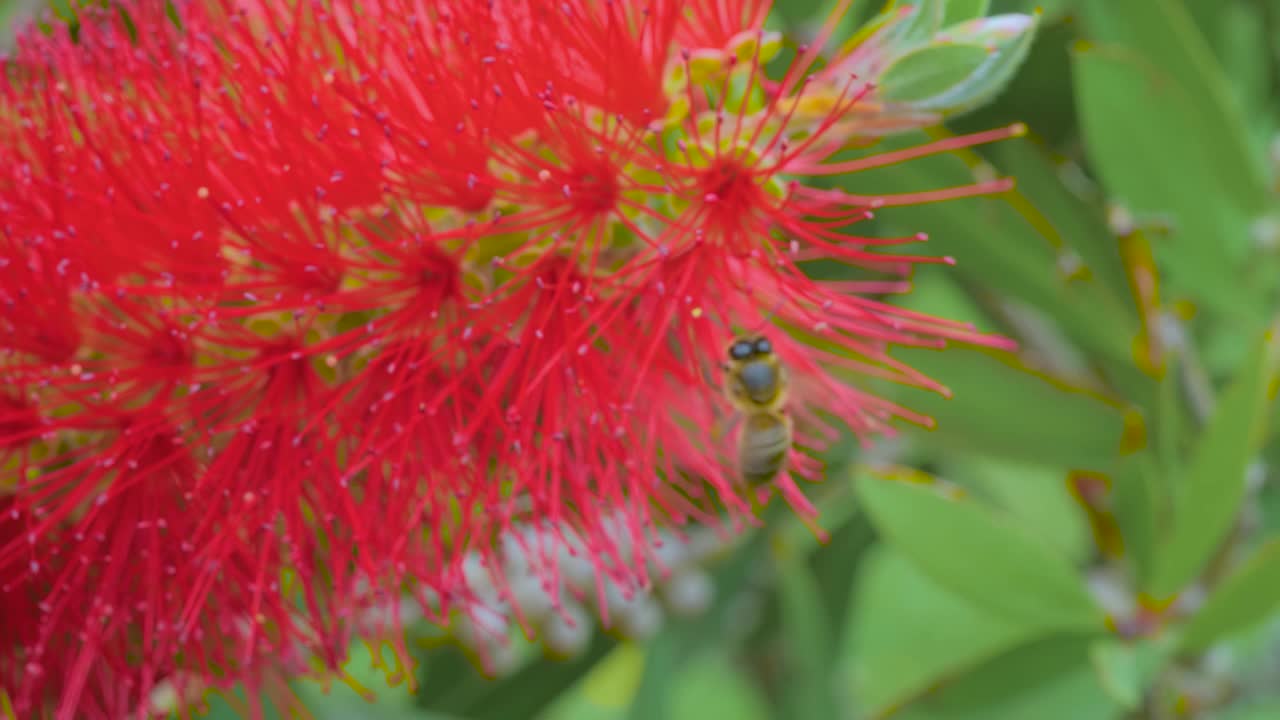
696	312
202	192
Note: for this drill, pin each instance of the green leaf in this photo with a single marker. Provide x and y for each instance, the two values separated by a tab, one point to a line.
1126	670
907	633
807	643
981	557
1002	407
1050	679
837	562
1068	221
1243	39
1008	40
925	21
1138	504
1167	37
710	686
1208	498
960	10
922	74
1254	709
963	67
680	640
994	247
1034	495
451	686
1155	158
997	404
1247	597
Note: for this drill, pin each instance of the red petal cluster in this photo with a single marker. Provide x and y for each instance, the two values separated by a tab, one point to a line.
303	304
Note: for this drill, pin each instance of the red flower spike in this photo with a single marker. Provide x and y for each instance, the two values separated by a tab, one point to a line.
306	308
608	55
717	24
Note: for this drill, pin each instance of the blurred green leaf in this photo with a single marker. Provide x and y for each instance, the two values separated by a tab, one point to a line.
1139	506
1148	155
1007	40
930	71
710	686
907	633
996	248
998	405
525	693
1208	498
667	653
1039	94
1125	670
960	10
1246	597
837	562
1242	39
1067	219
1265	709
1164	34
1050	679
1001	406
1171	431
1050	8
1034	495
925	19
808	646
980	556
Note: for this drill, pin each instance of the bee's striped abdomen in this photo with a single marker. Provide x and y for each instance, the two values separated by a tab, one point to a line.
763	447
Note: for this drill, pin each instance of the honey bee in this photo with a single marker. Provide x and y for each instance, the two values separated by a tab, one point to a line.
756	384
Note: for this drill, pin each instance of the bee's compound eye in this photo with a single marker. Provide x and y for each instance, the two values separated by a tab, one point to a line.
741	350
763	346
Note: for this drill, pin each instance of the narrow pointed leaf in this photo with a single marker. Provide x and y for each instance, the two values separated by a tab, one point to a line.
1034	495
1209	496
1137	504
997	248
963	67
1001	406
808	647
980	556
1265	709
1247	597
1145	156
907	632
1050	679
960	10
1126	670
713	686
926	19
1166	35
920	75
1068	220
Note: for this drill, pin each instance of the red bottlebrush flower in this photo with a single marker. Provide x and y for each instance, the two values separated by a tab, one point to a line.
304	307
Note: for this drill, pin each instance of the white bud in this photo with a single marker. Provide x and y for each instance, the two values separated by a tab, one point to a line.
689	593
567	633
642	619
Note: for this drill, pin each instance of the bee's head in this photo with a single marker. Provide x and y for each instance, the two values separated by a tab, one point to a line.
755	376
746	348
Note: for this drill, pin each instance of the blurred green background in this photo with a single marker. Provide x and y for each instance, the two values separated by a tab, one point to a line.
1092	531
